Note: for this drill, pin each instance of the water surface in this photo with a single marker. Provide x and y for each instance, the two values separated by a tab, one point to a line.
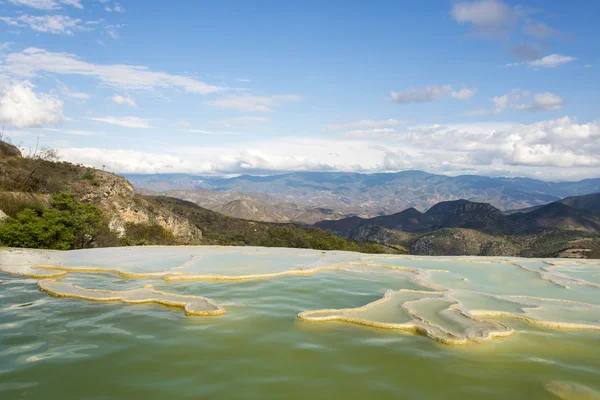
62	348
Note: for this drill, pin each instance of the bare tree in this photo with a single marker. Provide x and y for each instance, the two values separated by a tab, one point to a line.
41	153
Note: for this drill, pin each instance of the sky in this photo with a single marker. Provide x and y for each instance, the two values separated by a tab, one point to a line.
489	87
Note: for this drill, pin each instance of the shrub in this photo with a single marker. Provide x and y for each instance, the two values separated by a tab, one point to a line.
146	235
67	224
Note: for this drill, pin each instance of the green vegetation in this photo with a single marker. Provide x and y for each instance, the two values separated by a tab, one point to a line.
223	230
67	223
14	203
89	176
146	235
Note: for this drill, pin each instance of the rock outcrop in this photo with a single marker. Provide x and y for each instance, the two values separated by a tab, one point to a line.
115	196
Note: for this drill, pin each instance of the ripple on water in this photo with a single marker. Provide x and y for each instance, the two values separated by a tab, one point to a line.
268	353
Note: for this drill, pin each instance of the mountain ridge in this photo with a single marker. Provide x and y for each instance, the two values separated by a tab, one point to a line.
379	193
464	227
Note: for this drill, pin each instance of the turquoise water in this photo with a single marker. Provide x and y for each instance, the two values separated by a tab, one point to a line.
63	348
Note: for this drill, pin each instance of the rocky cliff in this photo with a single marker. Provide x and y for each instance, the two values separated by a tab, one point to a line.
28	180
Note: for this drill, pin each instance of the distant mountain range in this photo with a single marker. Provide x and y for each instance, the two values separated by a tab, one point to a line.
370	194
483	217
251	206
447	226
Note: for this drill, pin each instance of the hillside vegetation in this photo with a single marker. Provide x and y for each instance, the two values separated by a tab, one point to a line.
46	203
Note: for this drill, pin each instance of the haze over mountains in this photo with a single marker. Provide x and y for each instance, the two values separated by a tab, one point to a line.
367	195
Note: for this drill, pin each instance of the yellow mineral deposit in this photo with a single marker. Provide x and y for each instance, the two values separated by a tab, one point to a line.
192	305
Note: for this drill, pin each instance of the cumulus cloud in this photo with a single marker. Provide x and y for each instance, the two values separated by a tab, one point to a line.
124	100
489	18
46	4
127	161
554	149
368	123
32	61
544	102
553	60
421	95
127	122
56	24
250	103
370	133
464	94
21	107
519	99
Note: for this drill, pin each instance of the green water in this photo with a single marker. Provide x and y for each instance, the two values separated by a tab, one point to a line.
58	348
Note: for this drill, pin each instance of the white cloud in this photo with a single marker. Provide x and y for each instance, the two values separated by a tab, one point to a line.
555	149
78	95
544	102
370	133
421	95
490	18
518	99
46	4
551	61
76	132
464	94
5	46
367	123
116	8
126	161
113	30
72	94
121	76
126	100
56	24
21	107
127	122
250	103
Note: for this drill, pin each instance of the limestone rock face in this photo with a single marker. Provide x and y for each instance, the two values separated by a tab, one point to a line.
115	196
3	216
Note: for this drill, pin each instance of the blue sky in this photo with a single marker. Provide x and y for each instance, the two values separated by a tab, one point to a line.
482	87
